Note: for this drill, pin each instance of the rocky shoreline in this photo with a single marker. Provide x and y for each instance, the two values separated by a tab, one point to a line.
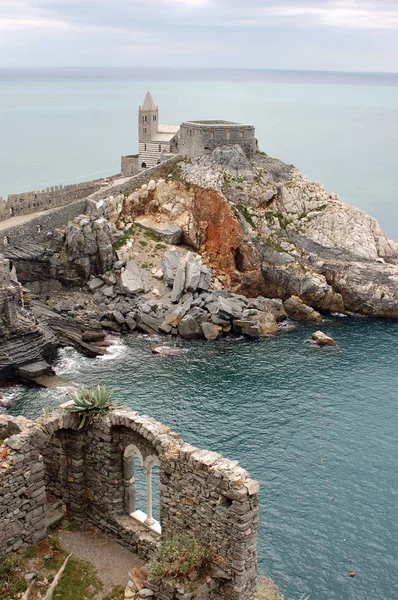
209	247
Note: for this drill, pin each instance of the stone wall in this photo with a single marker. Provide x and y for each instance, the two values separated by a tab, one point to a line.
36	229
198	138
22	487
92	471
38	200
130	165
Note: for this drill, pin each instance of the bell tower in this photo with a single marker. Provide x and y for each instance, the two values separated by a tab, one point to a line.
148	118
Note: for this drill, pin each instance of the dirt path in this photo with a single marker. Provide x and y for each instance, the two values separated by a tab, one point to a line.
112	561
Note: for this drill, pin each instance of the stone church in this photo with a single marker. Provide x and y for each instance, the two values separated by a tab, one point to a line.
158	142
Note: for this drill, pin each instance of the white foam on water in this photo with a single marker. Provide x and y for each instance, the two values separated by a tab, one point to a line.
9	395
115	350
68	361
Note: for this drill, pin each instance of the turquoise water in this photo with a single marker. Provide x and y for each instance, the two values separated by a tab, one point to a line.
341	129
311	424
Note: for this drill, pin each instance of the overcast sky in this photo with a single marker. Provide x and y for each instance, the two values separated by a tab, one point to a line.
347	35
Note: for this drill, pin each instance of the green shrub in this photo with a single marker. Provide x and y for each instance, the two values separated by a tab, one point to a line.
12	581
179	556
90	402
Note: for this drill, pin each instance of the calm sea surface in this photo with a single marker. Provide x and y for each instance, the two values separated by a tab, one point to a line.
317	427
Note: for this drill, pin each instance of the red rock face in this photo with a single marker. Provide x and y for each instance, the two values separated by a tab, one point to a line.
222	242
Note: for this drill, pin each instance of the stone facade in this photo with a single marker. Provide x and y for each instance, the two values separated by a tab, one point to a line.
154	139
202	137
92	472
192	138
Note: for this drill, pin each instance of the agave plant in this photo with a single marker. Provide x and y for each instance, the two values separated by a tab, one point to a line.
90	402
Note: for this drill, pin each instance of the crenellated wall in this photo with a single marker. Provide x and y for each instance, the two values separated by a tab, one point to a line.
92	471
38	200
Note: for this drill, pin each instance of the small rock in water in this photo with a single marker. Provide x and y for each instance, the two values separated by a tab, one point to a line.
322	339
165	350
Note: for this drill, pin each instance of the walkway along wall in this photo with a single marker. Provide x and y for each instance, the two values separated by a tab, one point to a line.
92	471
38	200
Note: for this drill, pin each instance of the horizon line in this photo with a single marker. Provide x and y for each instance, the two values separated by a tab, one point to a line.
179	68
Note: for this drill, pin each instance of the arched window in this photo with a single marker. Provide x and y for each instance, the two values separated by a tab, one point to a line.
154	117
228	134
143	166
130	492
160	148
145	147
211	135
144	118
144	129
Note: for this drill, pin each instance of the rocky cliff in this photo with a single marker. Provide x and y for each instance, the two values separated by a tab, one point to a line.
23	342
216	244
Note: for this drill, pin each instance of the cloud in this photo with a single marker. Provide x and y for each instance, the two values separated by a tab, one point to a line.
306	34
351	14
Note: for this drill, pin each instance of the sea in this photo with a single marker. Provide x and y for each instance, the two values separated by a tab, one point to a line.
318	427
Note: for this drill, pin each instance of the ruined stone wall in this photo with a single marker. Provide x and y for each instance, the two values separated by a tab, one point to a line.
22	489
38	200
196	139
92	471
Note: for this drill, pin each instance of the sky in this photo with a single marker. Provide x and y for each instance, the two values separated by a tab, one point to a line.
332	35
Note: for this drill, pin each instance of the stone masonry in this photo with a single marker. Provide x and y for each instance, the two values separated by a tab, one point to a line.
202	137
59	195
91	470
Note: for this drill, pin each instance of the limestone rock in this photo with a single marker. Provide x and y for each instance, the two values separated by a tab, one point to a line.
179	281
295	307
322	339
211	331
170	262
256	324
131	280
189	328
93	336
193	272
163	229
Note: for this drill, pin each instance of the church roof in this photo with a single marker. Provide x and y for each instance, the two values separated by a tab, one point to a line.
148	103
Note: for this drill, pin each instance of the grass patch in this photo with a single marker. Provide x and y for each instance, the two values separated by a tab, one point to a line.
246	215
12	581
143	243
275	245
126	236
79	580
160	246
151	235
116	594
283	220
